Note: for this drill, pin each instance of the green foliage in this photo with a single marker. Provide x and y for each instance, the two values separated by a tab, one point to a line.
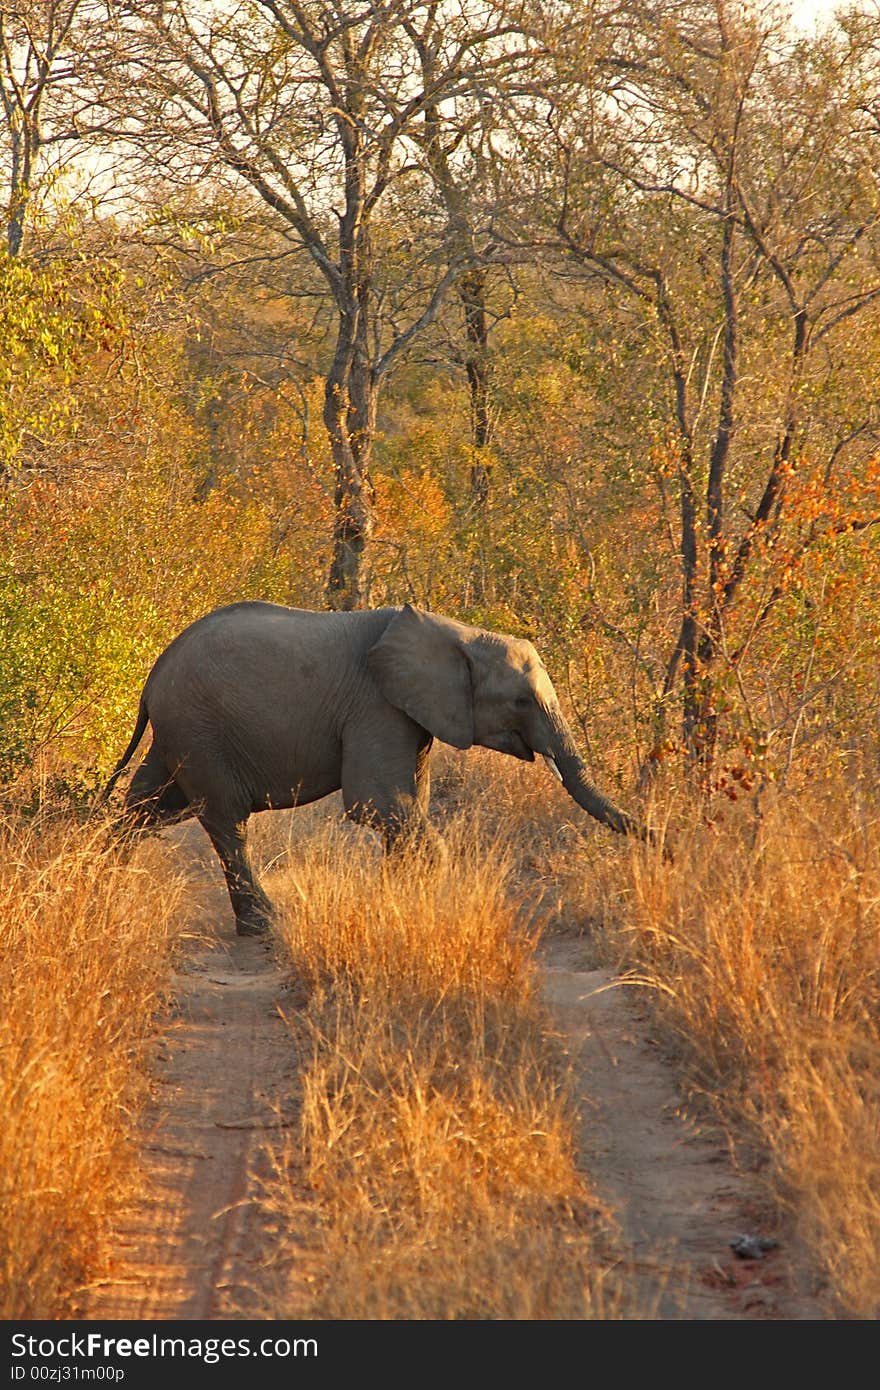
91	591
109	541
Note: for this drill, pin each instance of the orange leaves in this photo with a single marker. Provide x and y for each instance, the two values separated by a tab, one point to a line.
841	501
412	506
665	458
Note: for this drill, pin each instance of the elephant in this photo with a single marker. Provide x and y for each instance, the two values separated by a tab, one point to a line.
256	707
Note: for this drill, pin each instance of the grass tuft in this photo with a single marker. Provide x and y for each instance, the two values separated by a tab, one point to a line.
437	1115
763	947
85	933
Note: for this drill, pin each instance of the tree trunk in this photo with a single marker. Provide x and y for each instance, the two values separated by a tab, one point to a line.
351	392
472	293
19	186
350	397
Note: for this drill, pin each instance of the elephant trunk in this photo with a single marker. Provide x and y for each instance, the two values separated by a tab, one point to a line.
573	775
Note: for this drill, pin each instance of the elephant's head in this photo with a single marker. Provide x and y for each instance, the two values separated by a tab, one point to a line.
467	686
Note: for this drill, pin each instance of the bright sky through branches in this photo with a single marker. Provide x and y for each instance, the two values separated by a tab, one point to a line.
806	14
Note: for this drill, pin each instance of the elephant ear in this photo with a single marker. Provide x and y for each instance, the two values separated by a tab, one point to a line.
421	667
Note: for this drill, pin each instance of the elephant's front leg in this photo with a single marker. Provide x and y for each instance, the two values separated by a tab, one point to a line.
253	910
386	778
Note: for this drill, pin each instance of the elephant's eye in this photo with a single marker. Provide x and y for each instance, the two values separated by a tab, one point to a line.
523	701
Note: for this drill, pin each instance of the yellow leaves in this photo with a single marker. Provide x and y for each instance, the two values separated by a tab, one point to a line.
665	458
412	507
98	572
551	387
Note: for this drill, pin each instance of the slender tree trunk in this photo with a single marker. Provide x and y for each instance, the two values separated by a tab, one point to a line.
472	293
471	287
685	650
705	730
351	392
350	419
19	188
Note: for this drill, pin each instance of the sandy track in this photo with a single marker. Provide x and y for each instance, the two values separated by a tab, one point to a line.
197	1247
676	1194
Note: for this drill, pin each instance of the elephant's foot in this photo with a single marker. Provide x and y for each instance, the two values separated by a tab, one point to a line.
251	928
419	837
254	923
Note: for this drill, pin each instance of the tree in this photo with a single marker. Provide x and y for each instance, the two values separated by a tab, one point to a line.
456	154
319	107
49	89
723	177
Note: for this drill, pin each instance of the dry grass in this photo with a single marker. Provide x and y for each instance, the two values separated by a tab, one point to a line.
436	1142
763	954
84	965
437	1121
760	949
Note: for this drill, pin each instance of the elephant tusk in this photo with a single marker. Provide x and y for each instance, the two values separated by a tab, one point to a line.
551	763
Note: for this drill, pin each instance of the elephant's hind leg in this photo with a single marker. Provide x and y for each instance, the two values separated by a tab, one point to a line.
154	798
253	910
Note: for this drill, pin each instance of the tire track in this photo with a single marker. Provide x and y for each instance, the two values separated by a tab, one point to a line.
678	1198
199	1244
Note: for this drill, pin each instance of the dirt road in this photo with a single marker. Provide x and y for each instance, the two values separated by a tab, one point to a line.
225	1070
198	1247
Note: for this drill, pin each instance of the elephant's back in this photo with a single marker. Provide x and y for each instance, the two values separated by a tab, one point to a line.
256	696
256	626
253	664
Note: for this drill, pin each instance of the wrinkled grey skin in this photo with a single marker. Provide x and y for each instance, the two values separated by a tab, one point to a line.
258	707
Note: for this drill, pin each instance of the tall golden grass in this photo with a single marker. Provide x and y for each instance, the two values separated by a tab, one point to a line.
437	1118
434	1164
758	947
85	932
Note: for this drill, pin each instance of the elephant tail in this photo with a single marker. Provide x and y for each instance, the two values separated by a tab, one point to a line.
142	721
